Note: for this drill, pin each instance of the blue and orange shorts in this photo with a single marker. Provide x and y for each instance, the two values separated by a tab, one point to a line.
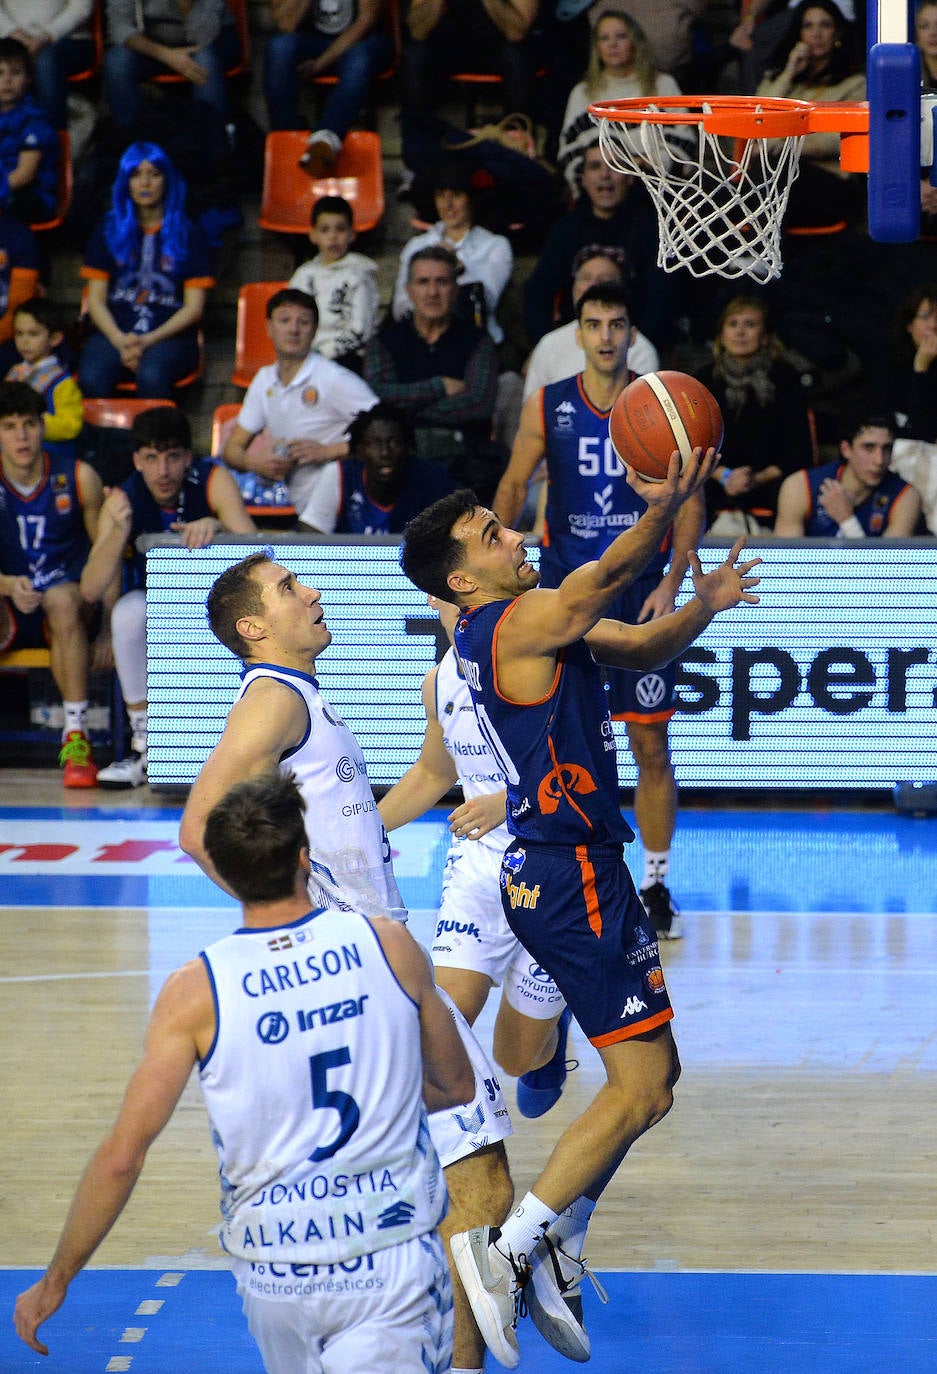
575	909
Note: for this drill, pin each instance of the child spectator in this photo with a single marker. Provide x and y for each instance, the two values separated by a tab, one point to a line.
29	145
37	334
343	284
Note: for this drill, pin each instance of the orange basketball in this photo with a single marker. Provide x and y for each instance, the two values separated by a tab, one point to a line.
661	412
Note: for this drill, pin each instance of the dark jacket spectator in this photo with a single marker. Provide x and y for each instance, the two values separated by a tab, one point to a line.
612	210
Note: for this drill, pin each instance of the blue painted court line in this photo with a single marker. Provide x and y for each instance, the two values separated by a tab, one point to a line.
811	861
694	1323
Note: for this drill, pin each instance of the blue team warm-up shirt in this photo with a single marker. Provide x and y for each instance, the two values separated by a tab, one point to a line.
558	754
43	536
874	513
151	518
359	513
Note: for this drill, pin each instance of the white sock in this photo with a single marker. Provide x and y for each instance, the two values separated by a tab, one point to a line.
138	728
525	1227
75	713
569	1229
655	867
476	1370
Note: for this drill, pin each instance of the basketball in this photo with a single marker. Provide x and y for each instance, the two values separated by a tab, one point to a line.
661	412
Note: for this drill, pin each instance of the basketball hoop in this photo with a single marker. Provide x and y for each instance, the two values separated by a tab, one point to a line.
720	203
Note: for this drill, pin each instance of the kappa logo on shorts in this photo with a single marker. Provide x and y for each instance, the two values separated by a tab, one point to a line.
650	690
565	780
633	1006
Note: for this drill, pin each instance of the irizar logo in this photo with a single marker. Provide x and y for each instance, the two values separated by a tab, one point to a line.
331	1013
633	1006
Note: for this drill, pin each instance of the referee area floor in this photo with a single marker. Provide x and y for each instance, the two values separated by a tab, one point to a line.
781	1218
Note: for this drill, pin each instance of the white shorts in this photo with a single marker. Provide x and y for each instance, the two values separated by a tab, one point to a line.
471	933
460	1131
388	1310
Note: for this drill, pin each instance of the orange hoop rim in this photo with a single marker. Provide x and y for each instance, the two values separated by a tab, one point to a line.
739	116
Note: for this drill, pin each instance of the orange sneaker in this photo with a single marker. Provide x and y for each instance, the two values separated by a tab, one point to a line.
75	758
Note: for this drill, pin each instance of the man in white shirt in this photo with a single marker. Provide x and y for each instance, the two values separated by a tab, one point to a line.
305	403
558	354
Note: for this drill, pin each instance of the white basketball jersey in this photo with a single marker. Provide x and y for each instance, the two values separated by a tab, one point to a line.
313	1087
478	769
346	837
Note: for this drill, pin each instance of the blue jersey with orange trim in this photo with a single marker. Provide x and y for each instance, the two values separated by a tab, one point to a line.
43	535
589	501
558	753
874	513
359	513
149	517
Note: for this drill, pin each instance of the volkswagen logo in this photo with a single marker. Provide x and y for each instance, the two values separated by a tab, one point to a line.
650	690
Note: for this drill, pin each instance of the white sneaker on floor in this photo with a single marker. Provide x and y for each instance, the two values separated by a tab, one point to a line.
554	1300
494	1285
124	773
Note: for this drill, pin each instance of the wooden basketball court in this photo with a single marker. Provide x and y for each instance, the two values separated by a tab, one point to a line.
801	1143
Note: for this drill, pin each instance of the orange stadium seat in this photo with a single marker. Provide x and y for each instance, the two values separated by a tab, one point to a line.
252	347
117	412
97	37
288	193
63	197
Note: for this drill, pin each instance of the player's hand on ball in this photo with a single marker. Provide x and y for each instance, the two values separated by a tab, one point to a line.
728	584
682	479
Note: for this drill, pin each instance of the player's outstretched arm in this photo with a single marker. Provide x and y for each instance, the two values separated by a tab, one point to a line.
179	1028
656	642
448	1076
546	620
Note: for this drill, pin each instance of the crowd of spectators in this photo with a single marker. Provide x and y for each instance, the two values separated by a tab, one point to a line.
518	217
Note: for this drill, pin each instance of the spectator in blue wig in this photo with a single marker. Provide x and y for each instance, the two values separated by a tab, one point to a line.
148	269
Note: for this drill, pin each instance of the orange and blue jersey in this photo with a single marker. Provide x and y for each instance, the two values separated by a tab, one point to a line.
557	753
149	517
874	513
565	889
43	535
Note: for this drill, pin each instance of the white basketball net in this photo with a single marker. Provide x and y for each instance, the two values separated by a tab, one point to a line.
719	210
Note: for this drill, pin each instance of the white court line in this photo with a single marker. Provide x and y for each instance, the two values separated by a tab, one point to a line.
70	977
